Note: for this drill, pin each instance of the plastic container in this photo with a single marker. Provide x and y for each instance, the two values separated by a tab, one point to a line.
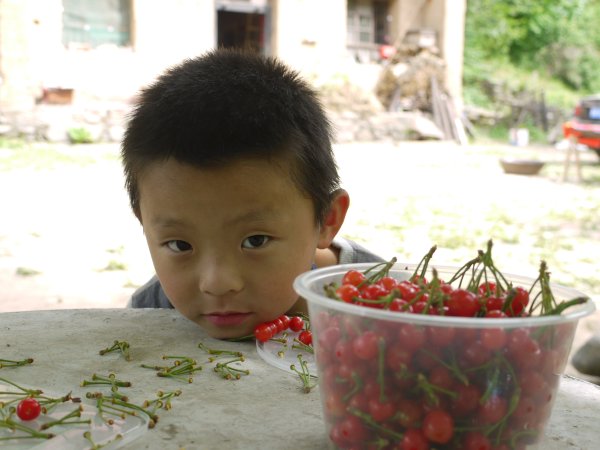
283	356
426	369
121	431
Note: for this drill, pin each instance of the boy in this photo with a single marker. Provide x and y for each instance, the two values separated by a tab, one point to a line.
230	171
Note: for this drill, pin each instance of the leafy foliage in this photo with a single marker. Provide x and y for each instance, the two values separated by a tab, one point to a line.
559	37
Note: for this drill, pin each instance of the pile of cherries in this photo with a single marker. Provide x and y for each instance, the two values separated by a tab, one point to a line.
398	384
268	330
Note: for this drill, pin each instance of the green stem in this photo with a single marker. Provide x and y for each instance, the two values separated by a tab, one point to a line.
11	424
374	424
304	374
30	392
228	372
422	266
381	368
120	346
211	351
13	363
65	420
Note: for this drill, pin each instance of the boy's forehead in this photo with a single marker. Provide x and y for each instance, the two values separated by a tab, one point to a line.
281	163
248	191
247	174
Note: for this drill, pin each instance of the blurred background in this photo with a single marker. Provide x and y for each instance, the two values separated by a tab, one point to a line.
456	121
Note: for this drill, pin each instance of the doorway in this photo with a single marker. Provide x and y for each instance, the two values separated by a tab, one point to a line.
241	30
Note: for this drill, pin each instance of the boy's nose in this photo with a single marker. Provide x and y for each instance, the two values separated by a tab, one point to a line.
219	277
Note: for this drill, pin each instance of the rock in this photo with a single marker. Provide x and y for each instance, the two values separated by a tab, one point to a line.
5	129
56	133
587	359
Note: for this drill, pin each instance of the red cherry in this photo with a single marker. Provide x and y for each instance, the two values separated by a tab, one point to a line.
487	289
305	337
414	439
438	426
263	332
353	277
347	292
372	291
493	409
493	338
462	303
296	323
28	409
388	283
366	346
285	320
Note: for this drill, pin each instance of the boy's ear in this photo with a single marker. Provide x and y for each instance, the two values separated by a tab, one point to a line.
138	214
334	219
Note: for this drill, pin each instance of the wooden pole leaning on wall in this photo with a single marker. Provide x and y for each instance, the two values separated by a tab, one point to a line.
445	116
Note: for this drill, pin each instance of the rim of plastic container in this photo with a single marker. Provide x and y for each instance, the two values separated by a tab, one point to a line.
318	277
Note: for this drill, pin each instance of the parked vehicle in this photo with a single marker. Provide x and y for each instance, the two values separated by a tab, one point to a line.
585	124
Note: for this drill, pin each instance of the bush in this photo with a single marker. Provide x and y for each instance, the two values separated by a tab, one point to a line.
80	135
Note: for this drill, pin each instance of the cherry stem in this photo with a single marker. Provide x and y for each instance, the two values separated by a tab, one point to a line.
248	337
211	351
119	408
118	346
76	413
382	272
453	368
88	437
305	376
381	368
12	425
430	390
299	345
113	394
366	418
12	363
111	380
231	373
422	266
29	392
163	400
358	385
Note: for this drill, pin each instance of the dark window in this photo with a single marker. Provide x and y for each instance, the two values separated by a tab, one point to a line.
241	30
90	24
368	21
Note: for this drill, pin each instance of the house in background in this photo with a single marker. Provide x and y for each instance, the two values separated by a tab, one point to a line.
78	51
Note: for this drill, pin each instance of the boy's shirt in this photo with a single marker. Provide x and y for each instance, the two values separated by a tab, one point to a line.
151	295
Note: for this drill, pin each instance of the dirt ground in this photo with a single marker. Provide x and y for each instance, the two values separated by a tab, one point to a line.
69	240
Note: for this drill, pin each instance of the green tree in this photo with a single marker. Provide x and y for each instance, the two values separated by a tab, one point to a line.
558	36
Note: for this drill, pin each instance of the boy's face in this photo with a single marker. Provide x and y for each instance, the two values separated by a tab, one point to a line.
228	242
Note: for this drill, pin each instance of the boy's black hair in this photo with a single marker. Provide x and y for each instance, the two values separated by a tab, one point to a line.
227	105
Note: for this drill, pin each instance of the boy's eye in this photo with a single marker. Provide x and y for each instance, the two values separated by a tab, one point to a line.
256	241
178	246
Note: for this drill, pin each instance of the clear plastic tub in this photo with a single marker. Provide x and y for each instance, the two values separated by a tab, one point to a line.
121	431
282	355
499	395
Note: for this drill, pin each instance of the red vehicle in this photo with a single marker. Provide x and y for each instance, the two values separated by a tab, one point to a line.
585	124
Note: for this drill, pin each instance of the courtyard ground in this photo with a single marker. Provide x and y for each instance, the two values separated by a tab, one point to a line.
69	240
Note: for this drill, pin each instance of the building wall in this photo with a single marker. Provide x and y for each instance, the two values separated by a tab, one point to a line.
310	35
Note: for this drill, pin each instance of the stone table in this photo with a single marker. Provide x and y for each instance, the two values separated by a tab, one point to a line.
266	409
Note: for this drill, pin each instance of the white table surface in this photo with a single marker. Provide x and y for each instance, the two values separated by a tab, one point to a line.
264	410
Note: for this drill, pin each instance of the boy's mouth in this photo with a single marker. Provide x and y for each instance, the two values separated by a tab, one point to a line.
228	318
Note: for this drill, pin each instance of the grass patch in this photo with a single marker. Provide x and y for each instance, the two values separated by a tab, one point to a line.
114	265
18	154
27	272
